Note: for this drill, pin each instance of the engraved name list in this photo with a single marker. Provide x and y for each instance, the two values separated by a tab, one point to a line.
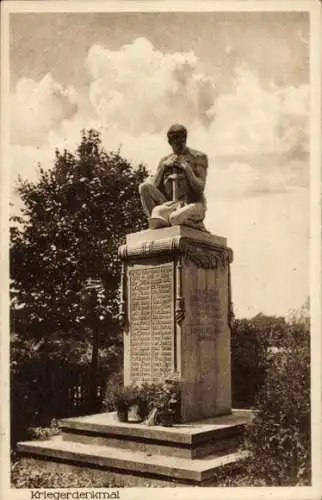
151	320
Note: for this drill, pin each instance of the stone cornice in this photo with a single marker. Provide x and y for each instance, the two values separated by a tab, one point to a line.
203	254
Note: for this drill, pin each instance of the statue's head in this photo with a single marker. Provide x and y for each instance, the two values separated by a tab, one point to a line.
177	138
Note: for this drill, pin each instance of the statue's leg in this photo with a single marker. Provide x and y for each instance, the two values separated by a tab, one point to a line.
189	215
150	197
161	214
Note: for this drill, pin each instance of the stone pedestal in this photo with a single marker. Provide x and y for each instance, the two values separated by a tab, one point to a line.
176	310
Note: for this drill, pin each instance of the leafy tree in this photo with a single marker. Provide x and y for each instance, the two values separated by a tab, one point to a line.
73	221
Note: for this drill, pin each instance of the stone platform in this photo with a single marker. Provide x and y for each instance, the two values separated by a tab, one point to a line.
188	453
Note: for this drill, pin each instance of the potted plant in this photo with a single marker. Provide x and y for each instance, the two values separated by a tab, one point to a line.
169	412
126	402
145	398
136	402
164	400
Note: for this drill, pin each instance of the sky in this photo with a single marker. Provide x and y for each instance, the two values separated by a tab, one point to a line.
239	83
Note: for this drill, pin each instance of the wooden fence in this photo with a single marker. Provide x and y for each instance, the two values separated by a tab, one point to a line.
58	390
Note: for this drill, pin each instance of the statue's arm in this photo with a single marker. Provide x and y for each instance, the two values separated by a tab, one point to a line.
158	178
197	177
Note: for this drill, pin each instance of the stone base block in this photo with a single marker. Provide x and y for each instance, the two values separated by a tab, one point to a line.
110	458
188	452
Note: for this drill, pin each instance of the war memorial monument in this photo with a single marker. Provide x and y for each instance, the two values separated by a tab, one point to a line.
175	312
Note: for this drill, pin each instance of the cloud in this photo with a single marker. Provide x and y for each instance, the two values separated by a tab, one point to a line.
139	89
252	119
136	92
255	136
39	107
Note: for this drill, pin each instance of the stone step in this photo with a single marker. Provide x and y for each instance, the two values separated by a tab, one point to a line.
99	457
156	448
190	441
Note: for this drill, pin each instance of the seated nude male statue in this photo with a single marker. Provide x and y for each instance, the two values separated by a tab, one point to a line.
176	194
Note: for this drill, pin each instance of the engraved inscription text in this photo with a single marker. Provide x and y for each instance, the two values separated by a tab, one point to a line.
207	318
151	322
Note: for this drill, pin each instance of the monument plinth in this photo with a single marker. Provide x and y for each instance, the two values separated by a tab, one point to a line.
176	310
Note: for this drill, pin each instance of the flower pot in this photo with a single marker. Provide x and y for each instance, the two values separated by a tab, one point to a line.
133	414
165	418
122	415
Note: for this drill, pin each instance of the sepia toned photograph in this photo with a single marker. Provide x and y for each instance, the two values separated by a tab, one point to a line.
161	183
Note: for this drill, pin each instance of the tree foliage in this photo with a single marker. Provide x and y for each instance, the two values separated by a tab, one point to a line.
74	219
279	438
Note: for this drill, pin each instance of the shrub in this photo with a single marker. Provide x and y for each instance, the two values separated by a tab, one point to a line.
279	437
113	387
250	339
44	433
42	388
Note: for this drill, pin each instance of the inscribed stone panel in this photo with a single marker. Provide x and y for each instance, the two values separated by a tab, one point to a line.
151	314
